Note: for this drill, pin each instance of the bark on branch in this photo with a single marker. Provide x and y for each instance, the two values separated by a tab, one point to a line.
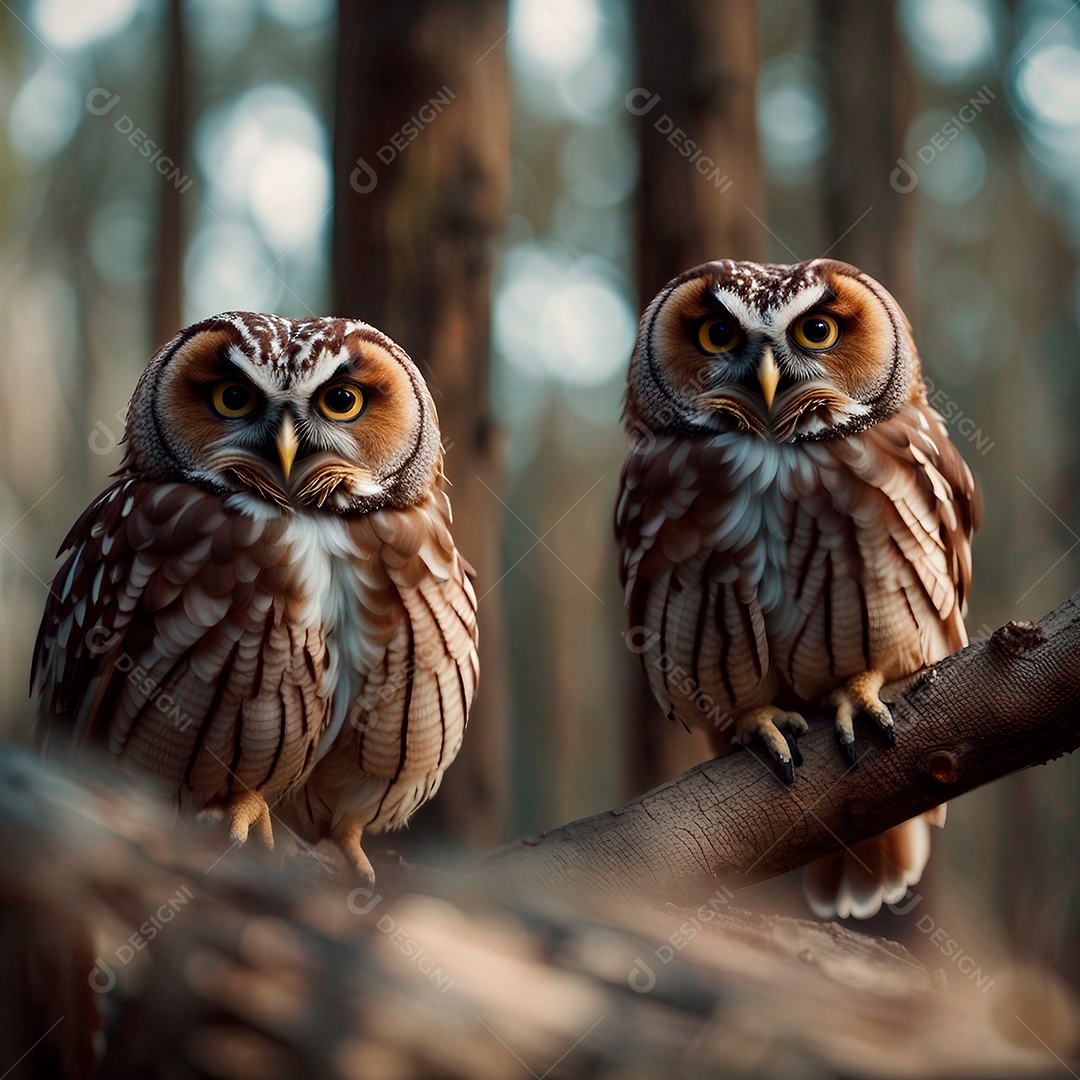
1001	705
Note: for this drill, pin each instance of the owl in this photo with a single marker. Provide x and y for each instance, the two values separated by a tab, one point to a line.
266	610
795	525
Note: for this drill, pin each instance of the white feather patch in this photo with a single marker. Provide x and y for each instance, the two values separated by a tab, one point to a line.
321	544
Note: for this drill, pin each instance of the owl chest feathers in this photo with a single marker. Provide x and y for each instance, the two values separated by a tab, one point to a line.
267	645
727	516
395	611
758	566
393	602
756	527
337	600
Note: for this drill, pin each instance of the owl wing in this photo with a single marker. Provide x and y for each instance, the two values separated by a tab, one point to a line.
694	536
879	565
416	670
167	638
882	549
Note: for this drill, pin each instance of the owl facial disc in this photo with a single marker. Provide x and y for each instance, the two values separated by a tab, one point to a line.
304	415
812	351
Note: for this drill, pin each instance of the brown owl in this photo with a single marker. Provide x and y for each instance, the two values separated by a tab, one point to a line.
795	523
267	607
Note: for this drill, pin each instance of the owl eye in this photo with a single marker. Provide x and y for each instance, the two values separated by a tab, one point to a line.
718	336
233	400
817	332
340	402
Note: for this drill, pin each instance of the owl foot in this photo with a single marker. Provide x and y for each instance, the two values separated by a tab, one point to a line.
343	843
778	730
860	695
243	812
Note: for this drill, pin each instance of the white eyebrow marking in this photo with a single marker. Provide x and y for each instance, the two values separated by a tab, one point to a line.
804	299
753	318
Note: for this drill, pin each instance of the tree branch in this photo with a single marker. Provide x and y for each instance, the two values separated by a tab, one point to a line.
1004	704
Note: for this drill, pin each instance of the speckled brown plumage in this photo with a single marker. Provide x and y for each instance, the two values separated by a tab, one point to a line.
806	541
267	611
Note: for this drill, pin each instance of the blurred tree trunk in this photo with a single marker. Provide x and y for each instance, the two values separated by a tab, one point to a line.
701	61
868	93
1031	815
421	166
169	243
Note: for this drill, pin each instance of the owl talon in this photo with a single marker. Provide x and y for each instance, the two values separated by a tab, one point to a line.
244	813
859	695
848	750
793	749
251	811
778	730
343	845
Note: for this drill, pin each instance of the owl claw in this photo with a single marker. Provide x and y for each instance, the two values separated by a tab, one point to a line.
778	730
793	749
848	749
343	844
860	695
244	812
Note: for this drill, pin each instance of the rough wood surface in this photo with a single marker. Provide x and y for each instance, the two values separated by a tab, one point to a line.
999	706
134	947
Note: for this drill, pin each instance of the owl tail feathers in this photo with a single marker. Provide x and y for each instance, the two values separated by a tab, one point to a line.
854	883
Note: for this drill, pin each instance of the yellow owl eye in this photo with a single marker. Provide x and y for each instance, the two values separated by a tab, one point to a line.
341	402
718	335
817	332
233	400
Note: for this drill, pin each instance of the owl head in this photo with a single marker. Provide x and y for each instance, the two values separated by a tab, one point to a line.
301	414
815	350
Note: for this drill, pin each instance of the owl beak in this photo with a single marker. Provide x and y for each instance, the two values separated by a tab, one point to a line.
287	444
769	376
